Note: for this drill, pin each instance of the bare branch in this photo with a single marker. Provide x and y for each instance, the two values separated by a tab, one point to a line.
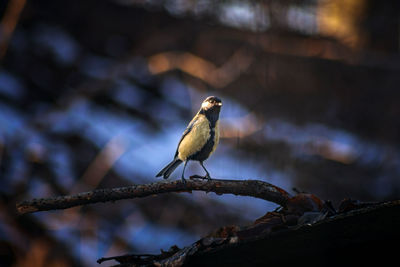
254	188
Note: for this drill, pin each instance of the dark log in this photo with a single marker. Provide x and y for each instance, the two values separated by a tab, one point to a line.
364	235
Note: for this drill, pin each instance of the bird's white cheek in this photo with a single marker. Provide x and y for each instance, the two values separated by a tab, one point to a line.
205	105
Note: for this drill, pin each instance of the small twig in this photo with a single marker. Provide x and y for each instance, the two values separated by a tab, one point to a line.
254	188
9	22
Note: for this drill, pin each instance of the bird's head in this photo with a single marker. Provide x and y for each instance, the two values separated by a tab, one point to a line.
211	103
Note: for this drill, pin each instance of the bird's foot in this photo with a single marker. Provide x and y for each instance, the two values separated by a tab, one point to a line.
200	177
205	177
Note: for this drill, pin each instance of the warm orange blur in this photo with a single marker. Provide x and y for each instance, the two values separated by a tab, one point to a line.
201	68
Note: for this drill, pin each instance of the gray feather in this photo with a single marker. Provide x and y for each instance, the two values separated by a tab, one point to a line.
167	170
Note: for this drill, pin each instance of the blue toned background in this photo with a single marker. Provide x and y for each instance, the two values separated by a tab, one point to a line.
96	94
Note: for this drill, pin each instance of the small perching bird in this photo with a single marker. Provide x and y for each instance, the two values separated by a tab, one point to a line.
199	140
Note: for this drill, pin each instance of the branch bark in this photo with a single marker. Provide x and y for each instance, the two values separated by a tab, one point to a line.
253	188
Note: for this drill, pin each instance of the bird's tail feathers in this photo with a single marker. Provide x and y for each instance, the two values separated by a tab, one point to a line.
167	170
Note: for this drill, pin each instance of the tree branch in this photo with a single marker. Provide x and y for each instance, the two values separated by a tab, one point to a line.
254	188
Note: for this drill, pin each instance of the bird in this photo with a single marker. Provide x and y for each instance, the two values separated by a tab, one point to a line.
199	140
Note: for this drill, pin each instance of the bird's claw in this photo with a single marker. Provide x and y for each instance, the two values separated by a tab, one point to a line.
206	177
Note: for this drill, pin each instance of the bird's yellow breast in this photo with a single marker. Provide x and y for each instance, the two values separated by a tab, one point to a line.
195	139
216	137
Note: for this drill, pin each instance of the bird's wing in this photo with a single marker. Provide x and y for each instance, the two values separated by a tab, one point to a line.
195	139
187	130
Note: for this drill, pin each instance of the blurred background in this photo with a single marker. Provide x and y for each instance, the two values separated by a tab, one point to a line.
96	94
